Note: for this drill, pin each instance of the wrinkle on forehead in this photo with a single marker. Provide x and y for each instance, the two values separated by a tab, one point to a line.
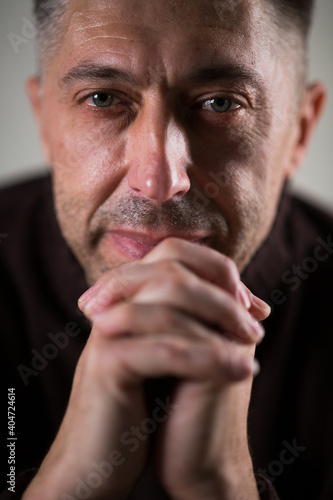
153	34
146	19
151	20
226	14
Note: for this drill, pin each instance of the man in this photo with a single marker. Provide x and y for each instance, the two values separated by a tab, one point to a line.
170	129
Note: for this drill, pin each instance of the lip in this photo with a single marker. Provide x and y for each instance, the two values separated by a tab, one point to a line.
135	245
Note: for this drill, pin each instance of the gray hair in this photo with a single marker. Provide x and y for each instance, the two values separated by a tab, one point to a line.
295	15
48	15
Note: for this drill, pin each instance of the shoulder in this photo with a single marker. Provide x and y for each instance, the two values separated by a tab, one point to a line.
301	225
27	223
301	238
307	230
303	286
311	214
23	208
312	230
16	198
310	233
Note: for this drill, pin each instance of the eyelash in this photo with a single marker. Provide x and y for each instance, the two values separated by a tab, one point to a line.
209	102
117	101
204	104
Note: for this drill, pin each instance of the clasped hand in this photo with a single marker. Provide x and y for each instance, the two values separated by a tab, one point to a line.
180	312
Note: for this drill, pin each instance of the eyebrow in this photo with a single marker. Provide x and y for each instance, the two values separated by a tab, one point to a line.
91	71
228	72
233	72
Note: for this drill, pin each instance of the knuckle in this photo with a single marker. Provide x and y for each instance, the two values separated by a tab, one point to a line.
125	314
231	272
177	323
166	319
171	247
242	332
176	284
173	274
241	329
171	267
120	320
216	361
173	349
104	296
222	361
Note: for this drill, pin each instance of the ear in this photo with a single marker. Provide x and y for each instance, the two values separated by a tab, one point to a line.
309	114
33	88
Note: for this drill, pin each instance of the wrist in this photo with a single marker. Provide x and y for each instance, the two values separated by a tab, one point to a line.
232	482
52	486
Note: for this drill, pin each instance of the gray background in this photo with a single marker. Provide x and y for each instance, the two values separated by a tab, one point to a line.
19	146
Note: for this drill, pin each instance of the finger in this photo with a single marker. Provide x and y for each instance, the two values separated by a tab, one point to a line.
127	281
130	361
212	266
208	304
203	261
259	309
202	301
148	319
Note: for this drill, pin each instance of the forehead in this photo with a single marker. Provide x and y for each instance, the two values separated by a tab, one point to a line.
168	36
163	12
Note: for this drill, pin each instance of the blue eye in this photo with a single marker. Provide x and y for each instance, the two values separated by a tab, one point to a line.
102	99
220	105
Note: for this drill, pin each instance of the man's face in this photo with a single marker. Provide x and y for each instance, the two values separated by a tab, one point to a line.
166	118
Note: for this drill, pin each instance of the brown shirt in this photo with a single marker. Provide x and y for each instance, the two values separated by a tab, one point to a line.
42	334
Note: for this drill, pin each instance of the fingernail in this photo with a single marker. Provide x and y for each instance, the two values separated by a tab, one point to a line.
243	296
261	304
267	309
251	328
96	302
257	328
88	305
84	297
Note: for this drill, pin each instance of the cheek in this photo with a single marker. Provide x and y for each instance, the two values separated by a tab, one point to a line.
236	157
240	170
87	165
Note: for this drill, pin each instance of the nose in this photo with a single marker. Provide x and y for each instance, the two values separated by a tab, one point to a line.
157	155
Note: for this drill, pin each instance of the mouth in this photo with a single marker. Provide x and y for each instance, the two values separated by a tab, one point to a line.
134	245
